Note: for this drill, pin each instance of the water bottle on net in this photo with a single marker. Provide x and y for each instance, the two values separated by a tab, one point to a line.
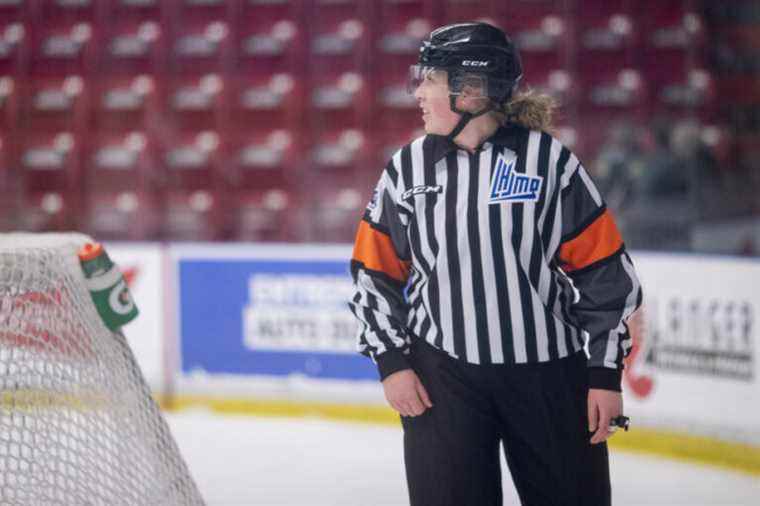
107	287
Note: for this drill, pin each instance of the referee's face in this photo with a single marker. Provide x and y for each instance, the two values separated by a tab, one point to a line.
433	97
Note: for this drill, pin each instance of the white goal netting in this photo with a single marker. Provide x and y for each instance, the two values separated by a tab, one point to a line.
78	425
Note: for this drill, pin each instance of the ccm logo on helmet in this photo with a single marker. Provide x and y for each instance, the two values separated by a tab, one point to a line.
475	63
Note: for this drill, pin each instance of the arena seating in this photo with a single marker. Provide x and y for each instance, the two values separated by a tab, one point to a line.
271	119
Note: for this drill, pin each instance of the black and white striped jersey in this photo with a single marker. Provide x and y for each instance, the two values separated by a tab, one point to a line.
507	255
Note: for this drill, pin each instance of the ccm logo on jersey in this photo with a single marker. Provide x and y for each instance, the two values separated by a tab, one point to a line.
509	185
475	63
416	190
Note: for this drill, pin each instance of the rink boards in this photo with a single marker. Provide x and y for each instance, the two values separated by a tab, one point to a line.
265	328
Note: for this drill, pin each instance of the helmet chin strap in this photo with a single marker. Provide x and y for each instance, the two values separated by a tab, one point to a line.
464	117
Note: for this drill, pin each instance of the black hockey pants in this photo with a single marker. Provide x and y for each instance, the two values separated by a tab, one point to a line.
539	413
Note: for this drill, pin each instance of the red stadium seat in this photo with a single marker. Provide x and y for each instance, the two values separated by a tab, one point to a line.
121	216
63	49
337	156
49	162
270	39
124	103
261	160
47	211
621	90
131	48
335	213
269	215
673	41
52	104
199	47
193	216
49	176
194	102
556	82
607	42
276	47
120	162
264	102
691	94
191	161
339	39
338	100
542	43
397	45
670	24
606	99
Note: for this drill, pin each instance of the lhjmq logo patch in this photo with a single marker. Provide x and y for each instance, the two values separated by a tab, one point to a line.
509	185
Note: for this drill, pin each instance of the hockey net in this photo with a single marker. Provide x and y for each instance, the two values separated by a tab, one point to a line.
78	425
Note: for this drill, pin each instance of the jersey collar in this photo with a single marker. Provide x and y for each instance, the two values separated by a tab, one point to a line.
438	146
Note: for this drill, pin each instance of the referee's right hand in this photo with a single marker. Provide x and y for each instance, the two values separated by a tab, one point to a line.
406	394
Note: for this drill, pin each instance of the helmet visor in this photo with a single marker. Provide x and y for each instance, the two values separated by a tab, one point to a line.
418	74
472	84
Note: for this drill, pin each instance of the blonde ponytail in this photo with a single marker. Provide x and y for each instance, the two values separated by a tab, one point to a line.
529	109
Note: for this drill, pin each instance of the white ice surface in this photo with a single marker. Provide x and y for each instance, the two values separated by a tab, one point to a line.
243	460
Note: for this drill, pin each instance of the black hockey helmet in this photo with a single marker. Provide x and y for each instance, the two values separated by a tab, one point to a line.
477	54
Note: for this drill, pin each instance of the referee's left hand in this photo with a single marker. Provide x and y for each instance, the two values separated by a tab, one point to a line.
603	406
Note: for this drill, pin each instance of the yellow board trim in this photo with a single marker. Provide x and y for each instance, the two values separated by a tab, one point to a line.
673	445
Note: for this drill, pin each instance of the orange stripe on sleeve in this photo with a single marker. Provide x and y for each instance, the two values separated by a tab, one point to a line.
598	241
375	250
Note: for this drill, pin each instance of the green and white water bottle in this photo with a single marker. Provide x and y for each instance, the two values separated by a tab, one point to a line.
107	287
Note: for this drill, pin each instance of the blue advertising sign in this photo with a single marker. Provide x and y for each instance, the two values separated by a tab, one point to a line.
270	317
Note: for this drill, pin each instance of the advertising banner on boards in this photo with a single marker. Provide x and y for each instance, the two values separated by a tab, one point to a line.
268	310
695	358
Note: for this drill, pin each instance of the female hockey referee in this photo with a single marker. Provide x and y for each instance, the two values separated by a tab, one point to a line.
482	261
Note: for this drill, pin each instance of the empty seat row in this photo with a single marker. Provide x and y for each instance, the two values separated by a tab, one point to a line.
203	160
331	214
193	160
308	37
343	100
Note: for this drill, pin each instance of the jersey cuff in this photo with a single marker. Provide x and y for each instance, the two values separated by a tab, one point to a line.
391	361
605	379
